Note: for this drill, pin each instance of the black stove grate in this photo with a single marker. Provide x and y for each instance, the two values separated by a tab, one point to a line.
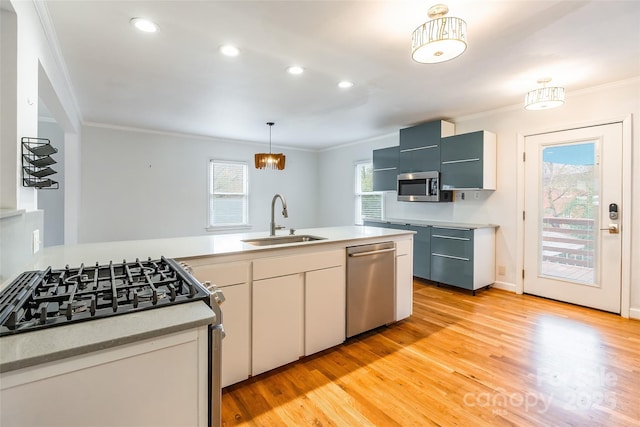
41	299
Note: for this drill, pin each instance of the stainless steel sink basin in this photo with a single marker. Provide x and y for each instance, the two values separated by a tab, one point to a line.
280	240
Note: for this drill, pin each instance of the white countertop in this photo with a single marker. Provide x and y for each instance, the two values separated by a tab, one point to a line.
31	348
426	222
8	213
185	247
46	345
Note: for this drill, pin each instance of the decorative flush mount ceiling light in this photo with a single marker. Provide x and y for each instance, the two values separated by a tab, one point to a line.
440	39
144	25
269	160
545	97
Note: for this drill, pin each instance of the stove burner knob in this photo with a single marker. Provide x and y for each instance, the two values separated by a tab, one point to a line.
186	267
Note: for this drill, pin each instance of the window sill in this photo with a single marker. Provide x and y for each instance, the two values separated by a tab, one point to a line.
238	227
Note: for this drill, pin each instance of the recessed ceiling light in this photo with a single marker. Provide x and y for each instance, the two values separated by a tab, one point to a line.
145	25
345	84
295	69
229	50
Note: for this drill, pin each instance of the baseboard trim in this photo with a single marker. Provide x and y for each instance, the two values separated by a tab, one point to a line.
505	286
634	313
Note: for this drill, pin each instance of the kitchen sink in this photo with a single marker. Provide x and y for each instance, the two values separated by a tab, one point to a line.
280	240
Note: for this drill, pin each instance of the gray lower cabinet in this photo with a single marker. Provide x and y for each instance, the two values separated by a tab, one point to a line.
385	169
463	257
421	245
421	251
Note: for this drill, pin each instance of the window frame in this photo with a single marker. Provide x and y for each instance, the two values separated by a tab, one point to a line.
358	193
210	195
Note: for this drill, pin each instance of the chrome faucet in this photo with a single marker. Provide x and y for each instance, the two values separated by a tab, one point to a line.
273	226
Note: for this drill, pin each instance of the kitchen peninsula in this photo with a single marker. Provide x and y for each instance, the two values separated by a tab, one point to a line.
262	282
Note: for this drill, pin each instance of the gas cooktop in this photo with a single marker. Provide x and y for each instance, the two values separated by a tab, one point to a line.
47	298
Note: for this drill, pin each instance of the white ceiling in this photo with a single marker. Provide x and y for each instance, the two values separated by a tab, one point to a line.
177	81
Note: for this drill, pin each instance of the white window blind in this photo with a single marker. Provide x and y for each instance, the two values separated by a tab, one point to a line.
228	195
369	203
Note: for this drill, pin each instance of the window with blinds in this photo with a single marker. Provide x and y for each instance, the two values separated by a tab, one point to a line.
369	203
228	194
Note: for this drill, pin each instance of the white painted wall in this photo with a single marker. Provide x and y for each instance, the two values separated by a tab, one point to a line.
500	206
337	179
8	111
51	202
16	244
138	185
29	70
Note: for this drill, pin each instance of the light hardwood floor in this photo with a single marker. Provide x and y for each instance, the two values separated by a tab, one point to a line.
492	359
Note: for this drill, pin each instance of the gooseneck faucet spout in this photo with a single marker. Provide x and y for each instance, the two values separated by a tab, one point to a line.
272	231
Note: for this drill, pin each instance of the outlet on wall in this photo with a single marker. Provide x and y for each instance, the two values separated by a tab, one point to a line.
36	241
501	270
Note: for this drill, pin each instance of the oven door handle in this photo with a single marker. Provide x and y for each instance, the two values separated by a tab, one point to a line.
219	329
216	334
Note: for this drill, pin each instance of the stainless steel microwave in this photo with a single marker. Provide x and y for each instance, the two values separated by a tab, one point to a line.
421	187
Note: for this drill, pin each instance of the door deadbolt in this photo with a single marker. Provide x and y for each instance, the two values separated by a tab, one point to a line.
613	211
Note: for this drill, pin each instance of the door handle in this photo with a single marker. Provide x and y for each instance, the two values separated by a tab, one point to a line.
613	229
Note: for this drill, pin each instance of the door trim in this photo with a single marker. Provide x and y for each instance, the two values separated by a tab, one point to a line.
625	225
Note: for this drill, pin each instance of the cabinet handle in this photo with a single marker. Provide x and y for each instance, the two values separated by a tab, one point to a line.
384	169
460	161
450	256
450	237
418	148
450	228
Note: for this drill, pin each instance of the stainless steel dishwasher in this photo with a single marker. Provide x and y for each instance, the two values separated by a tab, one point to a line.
371	273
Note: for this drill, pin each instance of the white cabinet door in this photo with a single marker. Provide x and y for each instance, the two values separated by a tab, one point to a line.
324	307
277	322
404	279
236	346
159	381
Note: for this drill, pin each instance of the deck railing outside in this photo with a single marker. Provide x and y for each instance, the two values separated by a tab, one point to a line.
568	241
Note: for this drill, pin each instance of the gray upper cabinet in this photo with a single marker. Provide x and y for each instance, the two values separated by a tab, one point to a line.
468	161
420	146
385	169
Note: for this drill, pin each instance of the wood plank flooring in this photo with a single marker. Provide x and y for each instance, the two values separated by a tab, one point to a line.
494	359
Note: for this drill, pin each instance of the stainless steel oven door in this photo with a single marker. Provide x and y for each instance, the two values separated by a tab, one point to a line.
216	335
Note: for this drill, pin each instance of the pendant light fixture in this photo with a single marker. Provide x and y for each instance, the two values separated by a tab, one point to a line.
545	97
441	39
269	160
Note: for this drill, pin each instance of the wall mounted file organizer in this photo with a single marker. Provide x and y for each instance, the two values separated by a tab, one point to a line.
36	162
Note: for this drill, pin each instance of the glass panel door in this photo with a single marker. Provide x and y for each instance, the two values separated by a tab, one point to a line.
572	246
569	215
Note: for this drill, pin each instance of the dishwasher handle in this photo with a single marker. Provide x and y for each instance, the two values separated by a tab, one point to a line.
379	251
